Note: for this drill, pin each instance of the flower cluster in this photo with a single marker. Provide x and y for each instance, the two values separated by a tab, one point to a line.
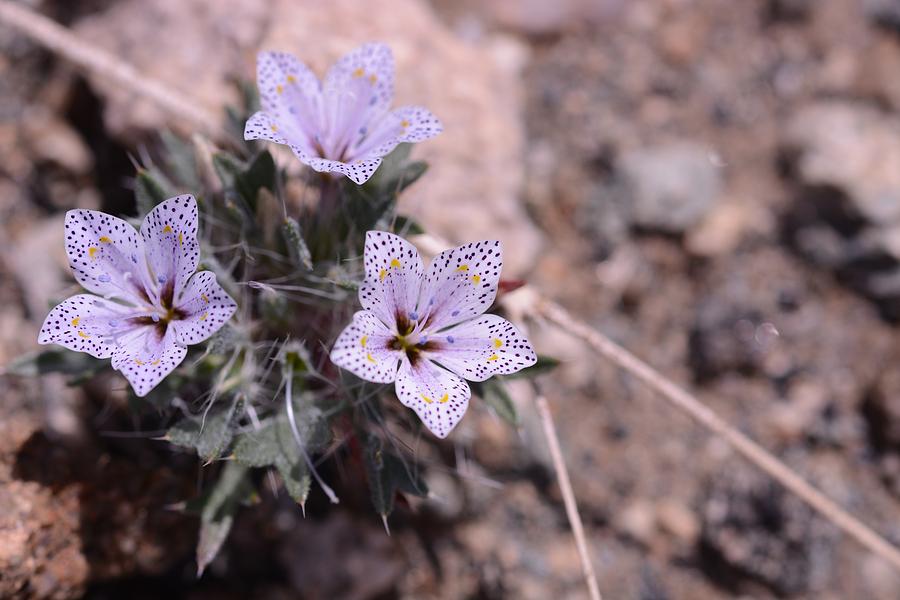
424	330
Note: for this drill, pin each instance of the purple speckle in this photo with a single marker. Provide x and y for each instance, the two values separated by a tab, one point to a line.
455	313
451	339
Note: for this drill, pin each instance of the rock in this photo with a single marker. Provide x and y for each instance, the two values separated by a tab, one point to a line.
679	521
882	411
40	549
754	529
885	13
476	174
853	148
638	521
668	188
725	227
536	17
49	138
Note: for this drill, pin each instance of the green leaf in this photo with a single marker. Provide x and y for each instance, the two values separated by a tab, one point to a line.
494	393
405	226
150	188
273	444
219	508
544	365
227	167
297	481
56	360
296	245
210	437
388	474
261	173
181	160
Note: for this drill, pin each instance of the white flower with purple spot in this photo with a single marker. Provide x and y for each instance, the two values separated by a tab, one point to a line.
426	331
343	125
150	303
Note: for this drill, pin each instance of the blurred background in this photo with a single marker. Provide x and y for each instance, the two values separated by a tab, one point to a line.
713	183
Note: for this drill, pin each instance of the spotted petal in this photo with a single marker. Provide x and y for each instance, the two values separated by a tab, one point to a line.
358	89
290	93
393	272
106	255
85	323
145	357
439	397
358	171
204	307
460	284
362	348
407	124
170	238
477	349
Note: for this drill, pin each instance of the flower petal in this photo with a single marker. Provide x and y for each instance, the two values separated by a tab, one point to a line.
358	171
170	239
263	126
371	64
106	255
439	397
477	349
84	323
393	275
205	308
358	90
418	123
461	283
362	348
145	358
407	124
289	92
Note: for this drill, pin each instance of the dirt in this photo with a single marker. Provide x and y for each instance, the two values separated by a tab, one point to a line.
784	345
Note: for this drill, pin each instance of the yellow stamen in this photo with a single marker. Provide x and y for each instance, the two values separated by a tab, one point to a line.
373	78
156	362
92	251
75	321
203	316
180	239
363	340
83	334
359	72
204	298
497	342
493	357
273	127
396	263
382	274
139	362
476	279
105	239
444	399
462	268
279	88
291	79
426	398
404	123
370	358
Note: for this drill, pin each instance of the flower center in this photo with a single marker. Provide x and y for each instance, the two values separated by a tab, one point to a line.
411	340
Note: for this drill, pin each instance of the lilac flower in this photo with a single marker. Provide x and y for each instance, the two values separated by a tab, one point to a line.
341	126
426	330
150	304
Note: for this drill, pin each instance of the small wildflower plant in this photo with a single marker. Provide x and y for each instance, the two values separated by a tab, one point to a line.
259	315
